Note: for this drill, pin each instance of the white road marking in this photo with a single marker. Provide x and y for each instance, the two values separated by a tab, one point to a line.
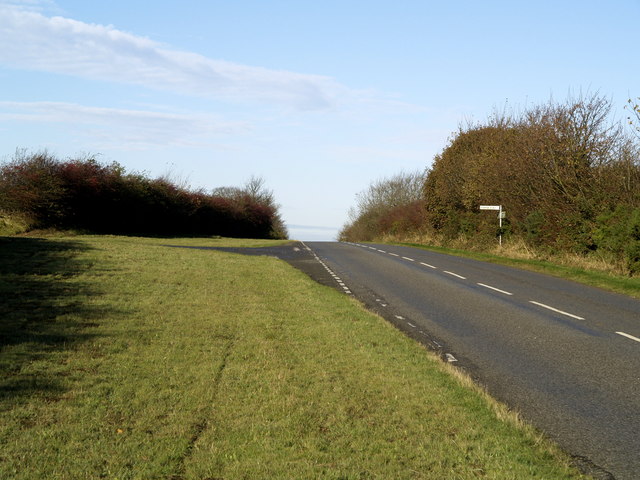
450	358
399	317
494	288
556	310
411	325
455	275
394	254
335	277
382	251
410	259
629	336
427	265
372	248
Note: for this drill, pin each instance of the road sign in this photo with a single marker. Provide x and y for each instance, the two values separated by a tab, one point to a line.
501	215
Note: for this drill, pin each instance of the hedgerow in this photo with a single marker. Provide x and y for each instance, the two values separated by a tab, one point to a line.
83	194
567	175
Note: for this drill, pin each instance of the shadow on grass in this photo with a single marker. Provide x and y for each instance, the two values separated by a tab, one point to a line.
43	311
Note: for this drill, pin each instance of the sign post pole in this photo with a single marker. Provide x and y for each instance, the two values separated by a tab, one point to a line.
501	215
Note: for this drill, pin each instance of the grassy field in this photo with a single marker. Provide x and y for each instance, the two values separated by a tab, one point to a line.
124	359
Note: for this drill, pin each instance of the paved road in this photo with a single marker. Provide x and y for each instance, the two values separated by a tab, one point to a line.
564	355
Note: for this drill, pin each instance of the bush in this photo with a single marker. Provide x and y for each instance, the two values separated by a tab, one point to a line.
83	194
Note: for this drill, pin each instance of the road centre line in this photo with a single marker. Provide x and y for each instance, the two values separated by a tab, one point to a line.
494	288
629	336
394	254
410	259
556	310
455	275
382	251
427	265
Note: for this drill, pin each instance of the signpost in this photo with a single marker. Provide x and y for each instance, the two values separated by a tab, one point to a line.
501	214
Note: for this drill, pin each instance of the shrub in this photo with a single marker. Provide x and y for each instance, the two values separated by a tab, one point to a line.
84	194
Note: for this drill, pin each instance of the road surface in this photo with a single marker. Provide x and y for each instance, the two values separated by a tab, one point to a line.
566	356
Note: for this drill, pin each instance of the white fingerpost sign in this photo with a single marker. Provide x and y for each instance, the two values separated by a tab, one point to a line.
501	214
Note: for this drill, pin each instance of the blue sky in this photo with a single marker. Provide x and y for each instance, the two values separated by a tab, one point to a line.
318	98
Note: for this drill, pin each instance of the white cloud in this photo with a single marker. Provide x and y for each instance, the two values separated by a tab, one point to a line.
123	128
31	40
32	5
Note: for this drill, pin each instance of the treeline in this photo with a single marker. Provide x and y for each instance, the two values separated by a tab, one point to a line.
567	175
83	194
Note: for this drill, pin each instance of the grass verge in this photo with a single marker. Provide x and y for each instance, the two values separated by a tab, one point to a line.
121	358
605	280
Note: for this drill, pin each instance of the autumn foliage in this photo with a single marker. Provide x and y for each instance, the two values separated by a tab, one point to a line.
566	174
86	195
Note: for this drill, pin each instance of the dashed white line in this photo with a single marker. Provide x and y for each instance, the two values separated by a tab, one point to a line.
335	277
409	259
382	251
629	336
450	358
494	288
556	310
427	265
411	325
399	317
394	254
455	275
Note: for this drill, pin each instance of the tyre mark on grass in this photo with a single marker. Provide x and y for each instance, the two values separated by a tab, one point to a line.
199	427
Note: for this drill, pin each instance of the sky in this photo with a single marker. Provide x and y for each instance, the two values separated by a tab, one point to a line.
319	98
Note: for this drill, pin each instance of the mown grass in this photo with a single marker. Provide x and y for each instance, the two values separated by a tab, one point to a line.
595	277
124	359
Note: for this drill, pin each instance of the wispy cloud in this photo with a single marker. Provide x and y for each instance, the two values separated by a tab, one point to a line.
32	5
31	40
124	128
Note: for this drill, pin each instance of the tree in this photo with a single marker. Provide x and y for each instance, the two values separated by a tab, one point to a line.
387	204
634	116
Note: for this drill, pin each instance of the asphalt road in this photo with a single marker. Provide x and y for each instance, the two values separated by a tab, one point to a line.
566	356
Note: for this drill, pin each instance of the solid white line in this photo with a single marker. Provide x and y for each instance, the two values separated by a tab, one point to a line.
629	336
455	275
494	288
394	254
410	259
427	265
556	310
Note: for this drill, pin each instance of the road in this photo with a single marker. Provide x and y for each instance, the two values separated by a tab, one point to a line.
566	356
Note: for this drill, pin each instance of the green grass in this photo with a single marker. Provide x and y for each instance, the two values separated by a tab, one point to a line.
605	280
125	359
